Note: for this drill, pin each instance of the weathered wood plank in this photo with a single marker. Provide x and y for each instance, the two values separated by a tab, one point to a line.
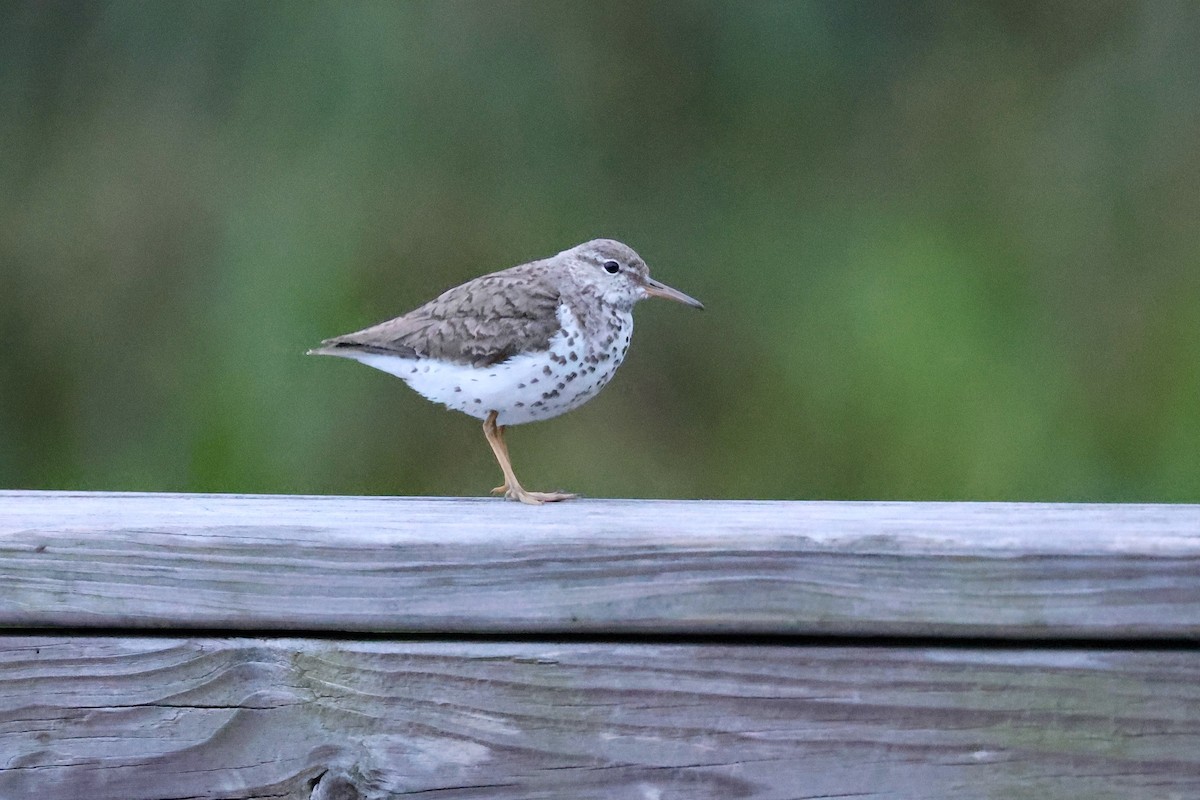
475	566
127	719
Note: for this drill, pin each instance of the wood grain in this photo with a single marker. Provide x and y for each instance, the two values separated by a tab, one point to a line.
133	719
615	567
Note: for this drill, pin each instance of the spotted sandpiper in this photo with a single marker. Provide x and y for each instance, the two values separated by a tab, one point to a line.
521	345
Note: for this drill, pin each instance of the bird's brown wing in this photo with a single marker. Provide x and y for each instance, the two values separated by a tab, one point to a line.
482	322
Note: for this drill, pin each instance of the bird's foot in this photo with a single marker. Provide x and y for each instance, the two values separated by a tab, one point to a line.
533	498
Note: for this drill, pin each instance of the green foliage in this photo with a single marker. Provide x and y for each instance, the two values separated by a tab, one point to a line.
949	250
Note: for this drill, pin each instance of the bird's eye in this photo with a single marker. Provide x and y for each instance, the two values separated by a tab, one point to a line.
612	267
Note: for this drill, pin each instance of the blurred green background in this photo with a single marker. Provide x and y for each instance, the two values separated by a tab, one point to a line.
950	250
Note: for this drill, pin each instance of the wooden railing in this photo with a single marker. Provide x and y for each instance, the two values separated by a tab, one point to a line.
201	646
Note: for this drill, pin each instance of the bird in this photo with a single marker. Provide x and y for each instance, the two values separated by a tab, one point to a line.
521	345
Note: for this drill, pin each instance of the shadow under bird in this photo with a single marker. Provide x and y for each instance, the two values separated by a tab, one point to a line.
520	345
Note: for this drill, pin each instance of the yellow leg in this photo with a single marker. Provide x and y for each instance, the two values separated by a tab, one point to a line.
511	488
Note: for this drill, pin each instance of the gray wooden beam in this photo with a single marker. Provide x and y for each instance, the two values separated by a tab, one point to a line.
147	718
464	566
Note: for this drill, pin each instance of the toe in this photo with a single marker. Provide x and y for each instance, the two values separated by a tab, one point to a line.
529	498
553	497
533	498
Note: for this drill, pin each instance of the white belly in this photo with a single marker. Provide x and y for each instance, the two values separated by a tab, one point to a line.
525	388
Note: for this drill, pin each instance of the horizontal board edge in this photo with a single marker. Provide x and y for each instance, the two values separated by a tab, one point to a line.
392	565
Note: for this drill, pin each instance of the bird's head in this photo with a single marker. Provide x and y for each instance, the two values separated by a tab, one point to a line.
618	274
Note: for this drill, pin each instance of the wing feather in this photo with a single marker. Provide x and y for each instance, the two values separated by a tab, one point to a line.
482	322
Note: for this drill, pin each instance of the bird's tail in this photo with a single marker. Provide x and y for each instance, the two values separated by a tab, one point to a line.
332	347
349	348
